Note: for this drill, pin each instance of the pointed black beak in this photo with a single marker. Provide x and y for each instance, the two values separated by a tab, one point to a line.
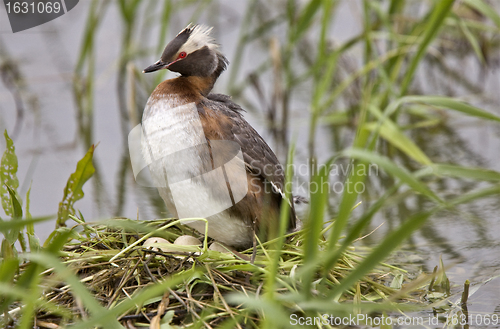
156	66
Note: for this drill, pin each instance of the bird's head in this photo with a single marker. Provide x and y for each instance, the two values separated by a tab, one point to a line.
193	52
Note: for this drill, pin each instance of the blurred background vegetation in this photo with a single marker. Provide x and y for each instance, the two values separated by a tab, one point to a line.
411	87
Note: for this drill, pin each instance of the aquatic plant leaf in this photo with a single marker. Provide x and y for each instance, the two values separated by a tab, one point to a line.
6	266
73	190
17	210
8	175
17	214
7	251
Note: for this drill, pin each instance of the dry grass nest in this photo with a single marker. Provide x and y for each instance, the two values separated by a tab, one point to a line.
114	266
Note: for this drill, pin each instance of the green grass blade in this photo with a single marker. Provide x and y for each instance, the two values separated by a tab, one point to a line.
438	14
390	242
33	241
394	170
395	238
465	172
452	104
305	19
30	229
350	192
359	226
19	224
279	316
390	132
366	69
474	195
314	224
284	219
349	197
485	9
164	21
396	6
472	40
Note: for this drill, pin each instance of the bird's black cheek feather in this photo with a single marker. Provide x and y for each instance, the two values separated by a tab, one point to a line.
201	62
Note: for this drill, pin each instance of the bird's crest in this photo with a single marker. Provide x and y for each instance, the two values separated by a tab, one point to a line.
199	36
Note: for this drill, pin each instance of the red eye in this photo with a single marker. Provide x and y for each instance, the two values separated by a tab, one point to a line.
182	54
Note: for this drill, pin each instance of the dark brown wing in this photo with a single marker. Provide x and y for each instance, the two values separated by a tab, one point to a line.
259	159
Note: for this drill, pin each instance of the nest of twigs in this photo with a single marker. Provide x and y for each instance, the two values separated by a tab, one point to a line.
114	267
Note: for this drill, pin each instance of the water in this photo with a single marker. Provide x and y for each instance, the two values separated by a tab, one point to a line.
49	145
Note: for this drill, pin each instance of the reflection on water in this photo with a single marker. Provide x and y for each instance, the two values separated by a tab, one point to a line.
57	98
